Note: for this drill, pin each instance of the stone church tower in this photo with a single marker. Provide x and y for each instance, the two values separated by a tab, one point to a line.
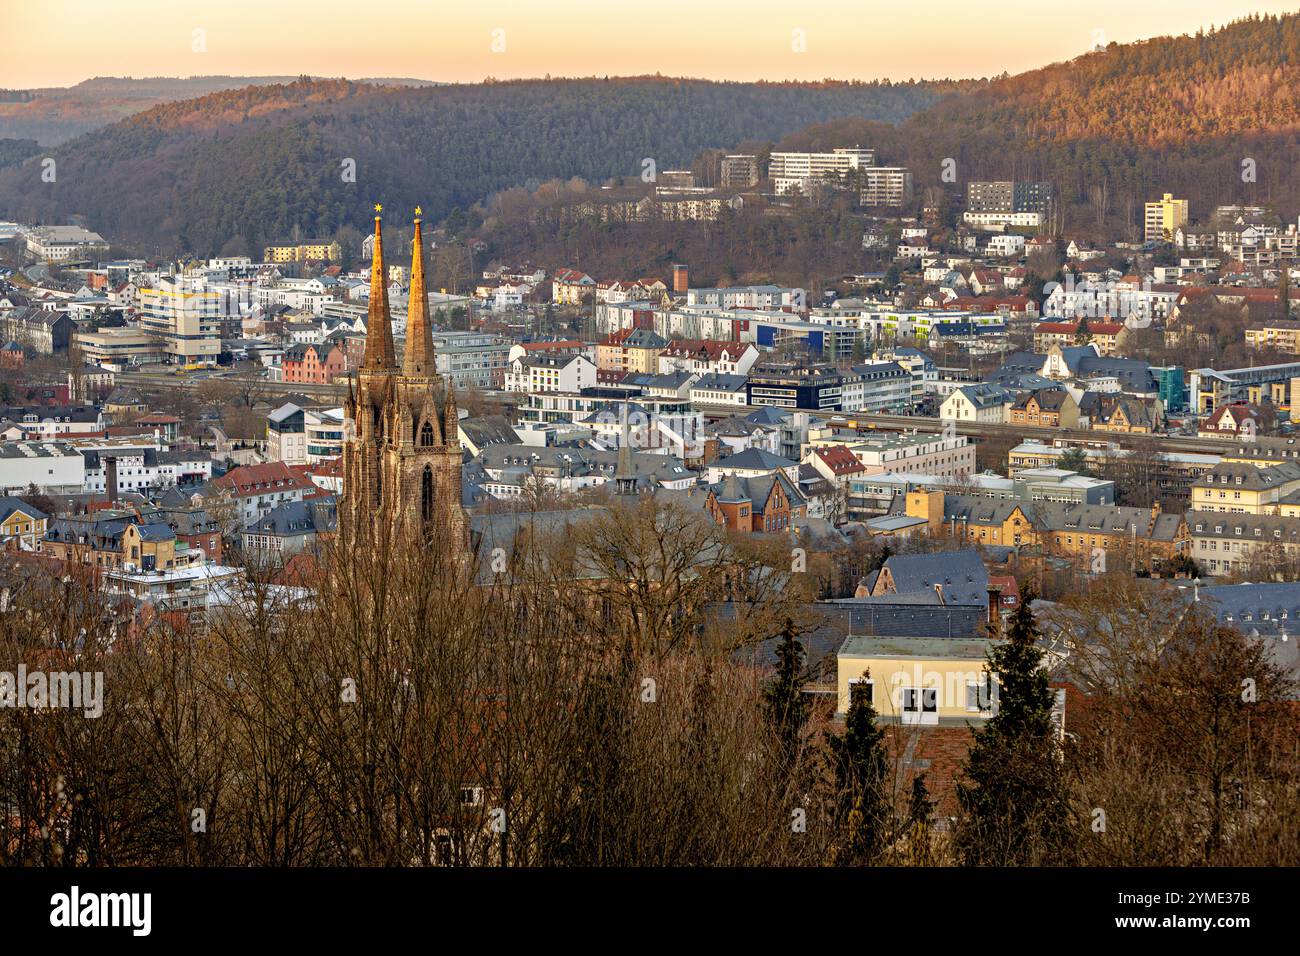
402	456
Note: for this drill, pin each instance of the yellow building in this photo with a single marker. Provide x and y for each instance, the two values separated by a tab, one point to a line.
1164	218
319	250
1139	536
184	322
22	525
974	519
1280	334
920	681
1239	487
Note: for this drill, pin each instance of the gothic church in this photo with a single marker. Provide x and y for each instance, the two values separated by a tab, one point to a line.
402	454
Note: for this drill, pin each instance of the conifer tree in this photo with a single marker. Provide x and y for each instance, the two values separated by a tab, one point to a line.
1082	334
1013	803
861	768
785	705
920	811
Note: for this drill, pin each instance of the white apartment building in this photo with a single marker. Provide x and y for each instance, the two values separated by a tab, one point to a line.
747	297
324	433
791	171
1003	220
950	457
1007	244
982	402
293	297
550	372
885	186
62	243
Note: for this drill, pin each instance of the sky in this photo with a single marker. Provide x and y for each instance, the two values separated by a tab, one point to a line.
61	42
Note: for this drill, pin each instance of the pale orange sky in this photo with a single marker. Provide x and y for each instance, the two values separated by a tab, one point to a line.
61	42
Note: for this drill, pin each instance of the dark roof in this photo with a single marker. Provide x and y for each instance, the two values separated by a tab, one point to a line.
961	575
8	505
293	518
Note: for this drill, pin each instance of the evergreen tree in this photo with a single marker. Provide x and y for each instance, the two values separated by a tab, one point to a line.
1082	334
1074	460
785	705
1014	810
861	769
920	811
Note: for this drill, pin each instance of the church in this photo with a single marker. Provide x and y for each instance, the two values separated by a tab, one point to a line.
402	454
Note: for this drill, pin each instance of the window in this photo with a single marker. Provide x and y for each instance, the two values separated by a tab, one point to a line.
426	491
862	687
920	705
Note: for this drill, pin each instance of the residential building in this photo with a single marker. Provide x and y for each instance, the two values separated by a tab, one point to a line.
571	287
290	528
1044	408
317	250
22	525
183	319
885	186
1241	488
797	172
1164	218
1018	196
257	489
740	171
312	364
550	372
982	402
64	243
631	350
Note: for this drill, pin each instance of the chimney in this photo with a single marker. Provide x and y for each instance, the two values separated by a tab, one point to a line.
681	277
110	479
995	610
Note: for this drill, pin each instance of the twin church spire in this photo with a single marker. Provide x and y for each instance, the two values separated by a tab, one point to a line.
380	354
402	461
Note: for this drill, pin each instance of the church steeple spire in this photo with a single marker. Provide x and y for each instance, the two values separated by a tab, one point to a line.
380	354
419	359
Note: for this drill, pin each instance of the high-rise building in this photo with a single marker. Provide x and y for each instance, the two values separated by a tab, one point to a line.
740	171
1164	218
885	186
401	461
789	171
183	318
1009	196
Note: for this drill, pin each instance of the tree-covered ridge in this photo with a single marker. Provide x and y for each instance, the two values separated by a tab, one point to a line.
16	150
252	164
1241	78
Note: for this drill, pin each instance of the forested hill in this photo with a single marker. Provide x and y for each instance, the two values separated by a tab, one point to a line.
237	168
56	114
1119	126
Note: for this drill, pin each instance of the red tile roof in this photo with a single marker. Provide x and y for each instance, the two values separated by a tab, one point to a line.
256	479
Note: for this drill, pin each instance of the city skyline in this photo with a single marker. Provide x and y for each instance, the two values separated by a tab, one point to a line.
571	39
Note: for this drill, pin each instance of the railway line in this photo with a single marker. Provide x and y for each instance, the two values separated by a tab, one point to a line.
1188	444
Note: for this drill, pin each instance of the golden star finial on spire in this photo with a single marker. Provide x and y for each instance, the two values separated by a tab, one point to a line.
418	212
379	207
